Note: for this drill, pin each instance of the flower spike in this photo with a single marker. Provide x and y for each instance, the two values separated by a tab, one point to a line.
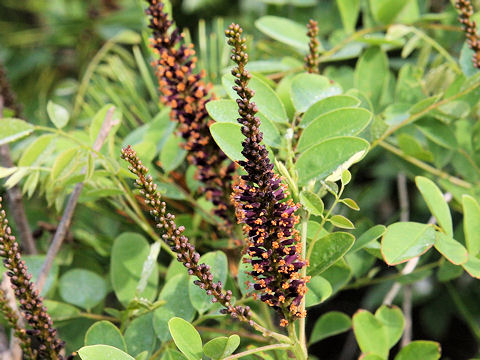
470	28
179	243
31	304
19	332
273	244
312	60
186	93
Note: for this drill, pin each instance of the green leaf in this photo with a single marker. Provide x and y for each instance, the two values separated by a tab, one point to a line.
140	335
346	177
60	311
368	236
129	253
329	157
307	89
328	250
326	105
425	350
228	137
406	240
186	338
14	129
226	111
329	324
83	288
171	354
267	100
392	319
142	356
57	114
465	61
350	203
371	334
35	150
218	263
284	30
64	163
175	293
221	347
436	203
340	122
172	153
371	72
223	110
471	224
447	271
244	279
16	177
102	352
319	290
451	249
472	267
104	332
385	11
34	265
341	222
438	132
312	202
4	172
349	10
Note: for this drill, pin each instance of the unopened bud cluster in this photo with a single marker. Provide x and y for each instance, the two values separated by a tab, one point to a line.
19	332
312	59
186	94
178	242
31	304
273	244
469	26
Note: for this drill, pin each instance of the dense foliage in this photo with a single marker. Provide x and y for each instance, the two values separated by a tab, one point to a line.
302	183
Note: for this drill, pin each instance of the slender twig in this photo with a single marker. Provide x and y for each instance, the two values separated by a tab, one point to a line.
407	313
301	321
432	170
67	216
242	334
422	113
14	196
257	350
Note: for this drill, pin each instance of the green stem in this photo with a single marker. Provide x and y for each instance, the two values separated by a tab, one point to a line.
302	321
257	350
437	47
297	348
424	166
420	114
324	220
367	282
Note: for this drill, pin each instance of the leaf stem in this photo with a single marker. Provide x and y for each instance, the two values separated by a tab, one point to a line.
259	349
424	166
302	321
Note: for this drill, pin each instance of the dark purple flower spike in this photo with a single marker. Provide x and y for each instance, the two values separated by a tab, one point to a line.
273	244
186	93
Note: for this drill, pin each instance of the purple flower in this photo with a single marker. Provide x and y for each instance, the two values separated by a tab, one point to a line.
31	304
187	94
273	244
